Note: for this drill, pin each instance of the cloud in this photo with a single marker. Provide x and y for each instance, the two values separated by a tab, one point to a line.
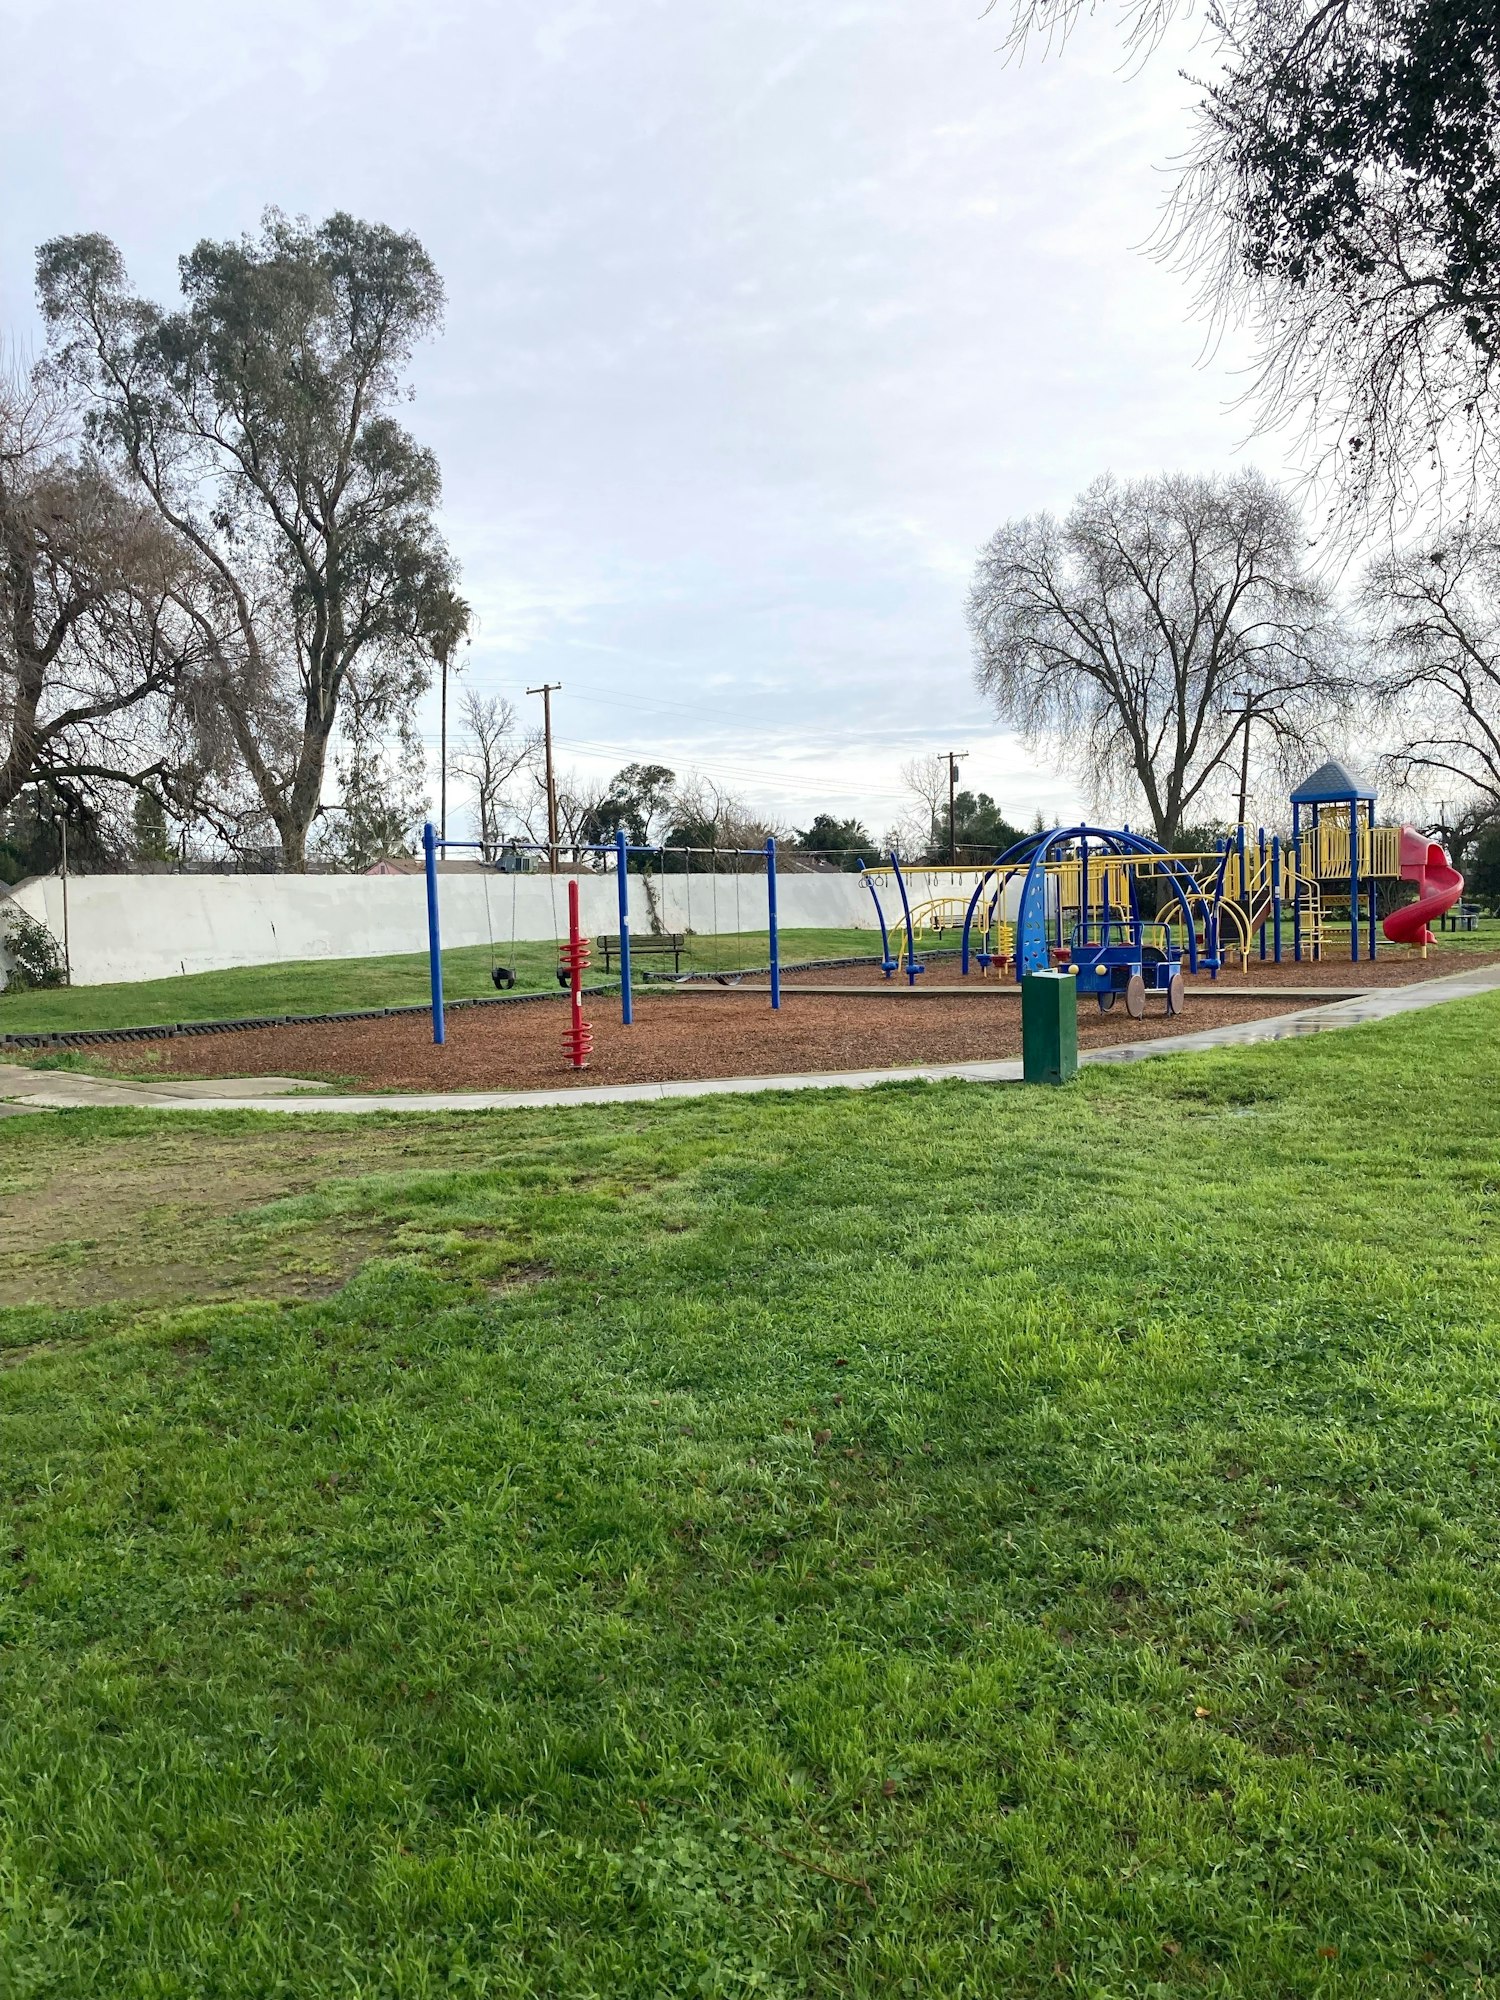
760	320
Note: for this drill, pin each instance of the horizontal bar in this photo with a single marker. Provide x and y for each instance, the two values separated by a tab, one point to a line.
601	847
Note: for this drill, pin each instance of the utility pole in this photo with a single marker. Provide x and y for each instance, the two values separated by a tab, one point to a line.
546	691
1244	695
955	758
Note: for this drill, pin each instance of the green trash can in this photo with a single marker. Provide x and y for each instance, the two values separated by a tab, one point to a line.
1049	1027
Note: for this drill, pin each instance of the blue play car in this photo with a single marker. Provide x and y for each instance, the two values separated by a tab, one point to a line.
1114	958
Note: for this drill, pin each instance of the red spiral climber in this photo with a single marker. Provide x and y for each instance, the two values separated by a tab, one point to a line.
573	959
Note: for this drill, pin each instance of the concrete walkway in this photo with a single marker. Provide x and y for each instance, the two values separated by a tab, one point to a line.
27	1090
1006	989
23	1089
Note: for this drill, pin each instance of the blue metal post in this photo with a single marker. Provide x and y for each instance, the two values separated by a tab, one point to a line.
887	963
1354	881
1276	895
1297	895
1083	891
1370	886
1104	903
1260	880
912	967
771	916
622	885
434	942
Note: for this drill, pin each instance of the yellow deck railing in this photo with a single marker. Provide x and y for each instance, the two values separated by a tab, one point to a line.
1325	849
1240	891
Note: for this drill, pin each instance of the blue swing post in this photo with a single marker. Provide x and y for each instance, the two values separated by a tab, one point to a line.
965	949
775	953
887	963
912	967
434	942
622	885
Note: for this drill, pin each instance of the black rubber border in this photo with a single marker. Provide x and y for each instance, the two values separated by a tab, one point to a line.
82	1038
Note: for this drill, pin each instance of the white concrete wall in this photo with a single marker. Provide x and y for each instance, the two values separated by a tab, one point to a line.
133	927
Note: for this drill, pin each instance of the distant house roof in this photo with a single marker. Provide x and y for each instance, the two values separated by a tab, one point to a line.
1330	784
413	864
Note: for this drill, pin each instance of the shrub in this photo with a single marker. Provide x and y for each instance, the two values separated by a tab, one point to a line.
32	955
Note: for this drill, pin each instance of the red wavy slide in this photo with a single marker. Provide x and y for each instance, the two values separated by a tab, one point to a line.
1439	886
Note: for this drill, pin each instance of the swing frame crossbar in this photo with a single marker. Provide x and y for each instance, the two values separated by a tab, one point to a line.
622	851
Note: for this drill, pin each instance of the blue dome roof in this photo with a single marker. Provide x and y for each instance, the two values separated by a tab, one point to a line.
1330	785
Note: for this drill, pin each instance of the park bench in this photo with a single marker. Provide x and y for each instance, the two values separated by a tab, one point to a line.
663	944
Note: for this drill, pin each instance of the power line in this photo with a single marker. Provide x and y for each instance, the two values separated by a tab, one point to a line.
758	774
635	702
740	770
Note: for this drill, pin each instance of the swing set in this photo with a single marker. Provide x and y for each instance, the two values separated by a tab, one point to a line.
573	947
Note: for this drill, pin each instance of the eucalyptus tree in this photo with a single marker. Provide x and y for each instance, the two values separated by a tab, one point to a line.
258	420
1142	641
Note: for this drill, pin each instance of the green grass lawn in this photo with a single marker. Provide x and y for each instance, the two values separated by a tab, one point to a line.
1485	937
336	985
940	1541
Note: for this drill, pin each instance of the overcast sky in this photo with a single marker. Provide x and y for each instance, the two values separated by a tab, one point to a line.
762	315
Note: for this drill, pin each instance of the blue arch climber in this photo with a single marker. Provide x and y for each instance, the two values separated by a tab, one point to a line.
1031	918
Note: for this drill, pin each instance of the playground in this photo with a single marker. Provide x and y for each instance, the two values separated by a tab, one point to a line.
832	1018
1153	942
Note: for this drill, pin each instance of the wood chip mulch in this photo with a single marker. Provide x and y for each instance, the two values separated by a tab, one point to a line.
1395	966
726	1032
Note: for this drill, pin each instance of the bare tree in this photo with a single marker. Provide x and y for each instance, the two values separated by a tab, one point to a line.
704	817
493	754
581	803
1341	197
925	782
257	422
93	645
1133	638
1435	614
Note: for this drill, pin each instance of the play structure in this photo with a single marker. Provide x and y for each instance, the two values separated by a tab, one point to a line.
932	920
592	862
1439	887
573	962
1126	913
1123	916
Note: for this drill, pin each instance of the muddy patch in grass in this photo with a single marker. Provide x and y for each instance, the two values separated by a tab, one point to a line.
141	1218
